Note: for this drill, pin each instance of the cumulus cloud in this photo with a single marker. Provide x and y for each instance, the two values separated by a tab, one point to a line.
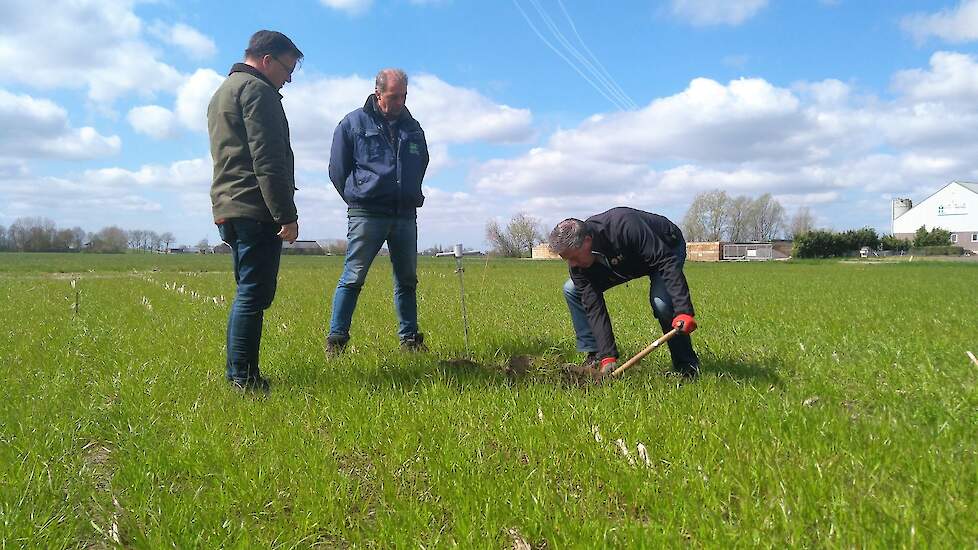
189	111
153	120
352	7
813	143
39	128
449	114
91	44
958	24
716	12
194	43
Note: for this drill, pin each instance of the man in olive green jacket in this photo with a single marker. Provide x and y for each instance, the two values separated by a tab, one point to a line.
253	188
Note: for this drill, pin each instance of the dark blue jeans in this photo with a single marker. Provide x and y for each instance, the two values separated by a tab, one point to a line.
365	235
680	346
256	251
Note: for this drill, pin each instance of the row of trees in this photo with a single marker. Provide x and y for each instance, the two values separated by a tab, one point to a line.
825	244
34	234
517	238
716	216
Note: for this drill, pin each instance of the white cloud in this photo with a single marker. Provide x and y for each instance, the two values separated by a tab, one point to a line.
716	12
958	24
153	120
352	7
449	115
91	44
194	95
183	174
194	43
39	128
189	110
952	77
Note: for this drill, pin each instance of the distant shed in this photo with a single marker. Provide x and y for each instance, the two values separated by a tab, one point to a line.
703	251
543	252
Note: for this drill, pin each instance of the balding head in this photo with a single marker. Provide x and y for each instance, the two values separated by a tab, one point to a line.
391	91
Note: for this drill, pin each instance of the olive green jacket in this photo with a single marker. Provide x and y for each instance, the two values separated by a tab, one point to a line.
254	169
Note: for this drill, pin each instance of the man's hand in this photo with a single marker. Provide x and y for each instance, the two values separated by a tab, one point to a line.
608	365
685	323
289	232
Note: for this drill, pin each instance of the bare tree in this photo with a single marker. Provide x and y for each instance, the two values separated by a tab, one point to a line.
518	238
167	239
739	216
32	234
203	246
707	217
3	238
802	222
768	218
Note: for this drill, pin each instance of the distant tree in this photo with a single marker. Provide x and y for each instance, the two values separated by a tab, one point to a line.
32	234
707	217
739	221
110	239
336	247
890	242
935	237
802	222
767	218
517	238
167	239
203	246
3	238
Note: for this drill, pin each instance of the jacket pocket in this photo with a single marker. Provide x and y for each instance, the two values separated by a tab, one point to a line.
370	146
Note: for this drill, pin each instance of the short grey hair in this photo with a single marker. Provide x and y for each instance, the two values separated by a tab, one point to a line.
568	234
384	76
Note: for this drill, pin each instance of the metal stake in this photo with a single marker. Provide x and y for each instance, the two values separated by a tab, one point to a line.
461	289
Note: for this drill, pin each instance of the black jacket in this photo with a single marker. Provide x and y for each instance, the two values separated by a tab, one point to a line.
634	244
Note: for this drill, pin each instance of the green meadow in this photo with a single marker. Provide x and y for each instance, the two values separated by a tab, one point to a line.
837	408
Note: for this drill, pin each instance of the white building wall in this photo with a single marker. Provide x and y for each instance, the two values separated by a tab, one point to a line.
954	208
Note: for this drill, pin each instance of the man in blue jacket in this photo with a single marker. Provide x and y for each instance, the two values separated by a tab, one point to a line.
377	163
614	247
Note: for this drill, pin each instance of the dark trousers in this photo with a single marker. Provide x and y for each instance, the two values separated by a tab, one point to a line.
256	251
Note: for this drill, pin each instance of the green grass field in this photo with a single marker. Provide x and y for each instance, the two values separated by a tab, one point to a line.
837	408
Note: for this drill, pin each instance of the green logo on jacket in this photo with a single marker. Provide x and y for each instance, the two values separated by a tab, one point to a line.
414	149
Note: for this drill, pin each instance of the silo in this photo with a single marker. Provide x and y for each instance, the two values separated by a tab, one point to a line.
899	207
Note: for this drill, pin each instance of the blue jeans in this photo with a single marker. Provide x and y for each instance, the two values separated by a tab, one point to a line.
256	250
365	235
680	346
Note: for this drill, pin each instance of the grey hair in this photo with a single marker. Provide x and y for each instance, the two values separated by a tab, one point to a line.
386	75
568	234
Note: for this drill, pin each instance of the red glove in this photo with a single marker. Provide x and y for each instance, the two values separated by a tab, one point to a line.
608	365
685	323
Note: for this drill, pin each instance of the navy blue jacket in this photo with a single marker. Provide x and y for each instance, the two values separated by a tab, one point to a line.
369	171
635	244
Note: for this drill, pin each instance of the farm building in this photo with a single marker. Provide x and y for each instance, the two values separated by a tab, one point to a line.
953	208
715	251
543	252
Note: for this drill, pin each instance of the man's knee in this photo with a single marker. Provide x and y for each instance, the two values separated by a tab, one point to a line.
570	291
662	309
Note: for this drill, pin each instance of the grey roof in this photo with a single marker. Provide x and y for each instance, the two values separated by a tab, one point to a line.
971	186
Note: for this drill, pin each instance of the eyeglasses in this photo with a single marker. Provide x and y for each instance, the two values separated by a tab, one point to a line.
284	66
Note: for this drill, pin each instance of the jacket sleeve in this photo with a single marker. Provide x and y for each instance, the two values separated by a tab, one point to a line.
661	261
341	156
597	316
263	120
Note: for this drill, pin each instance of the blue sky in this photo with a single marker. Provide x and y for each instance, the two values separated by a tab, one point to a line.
835	105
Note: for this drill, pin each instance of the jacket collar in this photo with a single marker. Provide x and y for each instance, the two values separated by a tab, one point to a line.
246	68
370	107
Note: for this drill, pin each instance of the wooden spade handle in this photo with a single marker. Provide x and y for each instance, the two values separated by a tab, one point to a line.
638	357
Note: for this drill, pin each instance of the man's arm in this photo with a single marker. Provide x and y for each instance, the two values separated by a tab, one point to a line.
269	149
597	317
341	156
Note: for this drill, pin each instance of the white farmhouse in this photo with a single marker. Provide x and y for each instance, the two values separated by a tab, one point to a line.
953	208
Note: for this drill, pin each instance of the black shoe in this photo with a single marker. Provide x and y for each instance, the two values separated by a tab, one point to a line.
687	371
591	360
257	385
336	344
414	343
